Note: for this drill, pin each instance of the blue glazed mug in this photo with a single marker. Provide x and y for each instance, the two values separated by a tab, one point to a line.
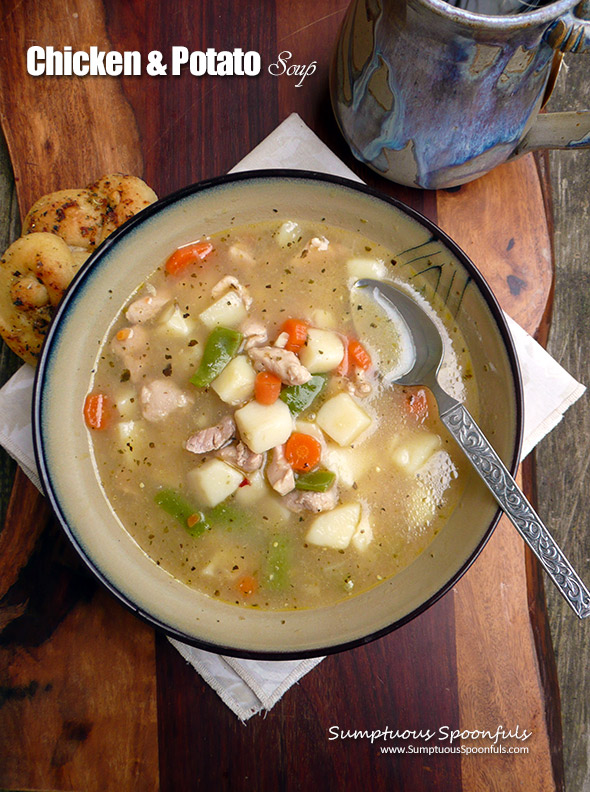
432	95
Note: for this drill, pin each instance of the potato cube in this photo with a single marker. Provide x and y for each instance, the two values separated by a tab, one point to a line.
324	319
335	528
174	323
271	510
365	268
130	440
127	402
252	492
310	428
235	384
213	481
413	450
288	234
240	254
124	430
347	464
323	351
264	426
420	507
363	535
342	419
227	311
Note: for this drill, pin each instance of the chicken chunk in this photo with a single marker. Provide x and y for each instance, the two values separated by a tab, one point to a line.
281	341
161	397
279	472
303	500
131	345
230	283
145	308
358	384
319	243
213	437
284	364
254	332
241	457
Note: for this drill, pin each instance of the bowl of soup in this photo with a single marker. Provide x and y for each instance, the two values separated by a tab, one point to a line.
216	428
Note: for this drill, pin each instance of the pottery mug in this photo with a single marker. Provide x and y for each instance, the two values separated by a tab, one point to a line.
433	94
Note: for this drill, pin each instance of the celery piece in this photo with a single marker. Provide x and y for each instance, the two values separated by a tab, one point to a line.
299	397
316	481
222	345
177	506
276	571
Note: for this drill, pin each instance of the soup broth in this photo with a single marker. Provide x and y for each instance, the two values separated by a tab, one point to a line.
242	430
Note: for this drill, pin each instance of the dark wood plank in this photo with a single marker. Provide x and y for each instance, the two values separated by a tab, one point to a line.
564	495
193	128
369	688
76	670
536	577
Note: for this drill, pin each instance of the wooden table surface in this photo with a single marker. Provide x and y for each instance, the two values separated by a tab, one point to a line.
92	699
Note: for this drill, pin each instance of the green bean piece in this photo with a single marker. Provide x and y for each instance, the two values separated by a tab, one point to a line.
300	397
316	481
177	506
228	516
276	572
222	345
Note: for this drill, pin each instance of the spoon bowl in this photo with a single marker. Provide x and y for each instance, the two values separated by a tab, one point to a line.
424	365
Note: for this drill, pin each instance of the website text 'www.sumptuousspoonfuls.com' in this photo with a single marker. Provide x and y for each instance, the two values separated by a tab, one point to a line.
445	749
443	740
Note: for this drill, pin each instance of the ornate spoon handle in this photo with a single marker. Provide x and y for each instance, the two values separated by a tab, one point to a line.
506	491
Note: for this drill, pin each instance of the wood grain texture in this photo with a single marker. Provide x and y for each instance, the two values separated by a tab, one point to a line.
564	495
499	674
419	677
61	132
509	239
69	654
368	688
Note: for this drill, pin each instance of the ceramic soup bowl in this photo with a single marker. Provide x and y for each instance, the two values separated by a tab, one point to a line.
64	451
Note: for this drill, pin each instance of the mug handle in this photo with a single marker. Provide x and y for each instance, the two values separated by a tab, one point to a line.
571	32
569	130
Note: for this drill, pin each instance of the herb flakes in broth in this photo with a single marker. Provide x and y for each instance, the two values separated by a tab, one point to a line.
242	430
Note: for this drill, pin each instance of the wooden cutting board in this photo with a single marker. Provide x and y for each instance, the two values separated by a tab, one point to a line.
90	698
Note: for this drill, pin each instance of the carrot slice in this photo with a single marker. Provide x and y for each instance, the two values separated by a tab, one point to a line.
97	411
248	585
358	355
189	254
267	387
124	333
302	452
417	402
297	330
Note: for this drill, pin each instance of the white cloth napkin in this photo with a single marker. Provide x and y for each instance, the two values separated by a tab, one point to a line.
249	686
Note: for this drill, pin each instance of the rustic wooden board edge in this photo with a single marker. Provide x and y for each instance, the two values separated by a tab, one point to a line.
535	575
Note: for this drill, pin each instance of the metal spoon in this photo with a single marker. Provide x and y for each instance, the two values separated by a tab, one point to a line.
423	370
